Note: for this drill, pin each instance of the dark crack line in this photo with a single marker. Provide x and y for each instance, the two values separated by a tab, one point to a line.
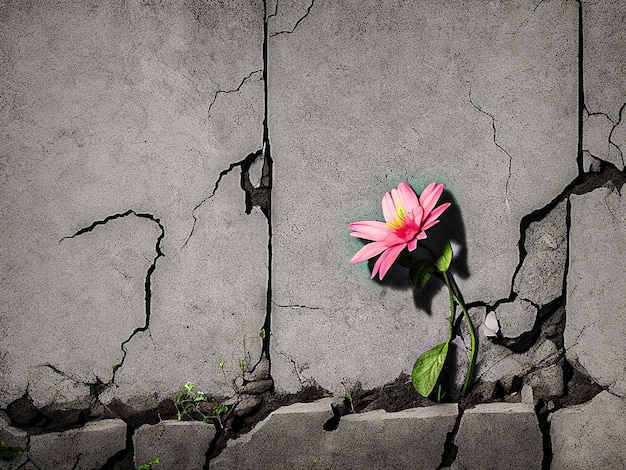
610	141
246	162
148	289
272	15
268	164
226	92
450	450
297	306
523	23
495	141
308	10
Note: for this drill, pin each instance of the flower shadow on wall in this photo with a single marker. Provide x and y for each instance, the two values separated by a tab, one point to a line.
401	239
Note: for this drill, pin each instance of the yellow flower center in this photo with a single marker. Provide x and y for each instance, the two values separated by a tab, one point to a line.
399	220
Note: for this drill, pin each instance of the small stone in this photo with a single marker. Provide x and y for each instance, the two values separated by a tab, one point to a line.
491	325
547	382
247	405
516	318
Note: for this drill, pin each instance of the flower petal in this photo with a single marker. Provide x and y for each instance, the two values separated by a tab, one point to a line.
408	197
430	199
370	230
368	251
384	262
389	210
412	244
393	239
432	217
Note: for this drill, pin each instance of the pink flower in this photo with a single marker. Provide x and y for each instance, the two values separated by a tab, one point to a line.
406	220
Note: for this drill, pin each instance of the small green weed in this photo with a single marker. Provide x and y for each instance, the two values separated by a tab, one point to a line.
194	405
8	452
148	466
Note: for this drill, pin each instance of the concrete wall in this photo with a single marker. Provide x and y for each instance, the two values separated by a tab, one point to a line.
179	175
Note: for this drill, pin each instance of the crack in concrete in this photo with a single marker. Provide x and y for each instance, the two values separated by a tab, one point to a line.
495	141
523	23
297	306
247	162
148	290
621	154
308	10
225	92
450	450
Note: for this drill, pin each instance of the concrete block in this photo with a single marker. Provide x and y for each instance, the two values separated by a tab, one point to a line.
499	435
84	448
177	444
595	327
364	96
379	440
294	437
540	278
290	437
590	435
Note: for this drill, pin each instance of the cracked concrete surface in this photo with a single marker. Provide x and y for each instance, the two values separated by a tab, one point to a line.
392	82
150	234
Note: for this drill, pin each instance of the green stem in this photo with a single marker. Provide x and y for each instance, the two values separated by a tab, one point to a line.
472	359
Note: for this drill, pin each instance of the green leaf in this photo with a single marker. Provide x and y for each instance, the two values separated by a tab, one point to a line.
443	263
262	333
180	416
420	273
8	452
349	397
188	387
222	363
242	365
427	369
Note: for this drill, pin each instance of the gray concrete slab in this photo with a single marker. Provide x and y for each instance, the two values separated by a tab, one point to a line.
379	440
115	107
481	97
595	327
590	435
540	278
177	444
294	437
499	435
84	448
290	437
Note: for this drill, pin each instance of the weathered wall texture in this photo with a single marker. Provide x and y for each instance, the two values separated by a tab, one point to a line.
178	175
